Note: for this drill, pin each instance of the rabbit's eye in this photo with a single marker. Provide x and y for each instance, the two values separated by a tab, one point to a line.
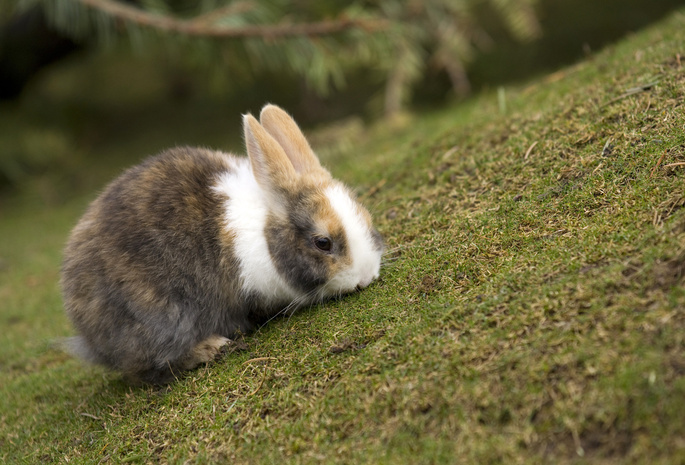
323	243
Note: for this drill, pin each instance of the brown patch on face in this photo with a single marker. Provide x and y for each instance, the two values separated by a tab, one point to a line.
291	239
329	224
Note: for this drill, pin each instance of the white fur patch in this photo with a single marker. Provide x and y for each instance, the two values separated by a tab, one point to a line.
246	213
366	259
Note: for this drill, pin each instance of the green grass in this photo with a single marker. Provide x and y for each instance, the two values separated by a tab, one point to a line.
531	309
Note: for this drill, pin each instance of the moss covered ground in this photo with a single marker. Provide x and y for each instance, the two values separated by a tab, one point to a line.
531	306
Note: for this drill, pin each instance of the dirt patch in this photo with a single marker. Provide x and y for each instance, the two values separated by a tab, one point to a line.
670	272
428	284
344	346
595	440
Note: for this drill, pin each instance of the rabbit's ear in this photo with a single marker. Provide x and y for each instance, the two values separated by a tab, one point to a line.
283	128
271	167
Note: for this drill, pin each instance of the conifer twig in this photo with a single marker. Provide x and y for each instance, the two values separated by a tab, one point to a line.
658	163
200	26
231	9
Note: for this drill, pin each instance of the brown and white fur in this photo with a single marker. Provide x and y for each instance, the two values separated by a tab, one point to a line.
192	246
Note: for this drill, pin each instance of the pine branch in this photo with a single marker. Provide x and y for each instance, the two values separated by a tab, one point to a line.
200	27
231	9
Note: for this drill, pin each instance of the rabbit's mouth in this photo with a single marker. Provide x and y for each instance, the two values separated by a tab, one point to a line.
349	282
332	293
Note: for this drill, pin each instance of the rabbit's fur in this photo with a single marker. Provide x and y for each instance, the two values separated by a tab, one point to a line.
192	246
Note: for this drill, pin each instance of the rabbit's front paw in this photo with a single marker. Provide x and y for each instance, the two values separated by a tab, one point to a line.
206	351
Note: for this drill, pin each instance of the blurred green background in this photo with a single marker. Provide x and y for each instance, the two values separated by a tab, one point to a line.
86	88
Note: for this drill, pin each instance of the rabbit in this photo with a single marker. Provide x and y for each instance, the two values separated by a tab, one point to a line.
193	246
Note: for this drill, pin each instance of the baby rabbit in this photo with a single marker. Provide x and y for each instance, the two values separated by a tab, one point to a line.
193	246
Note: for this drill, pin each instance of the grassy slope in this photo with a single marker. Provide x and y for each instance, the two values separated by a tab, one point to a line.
532	306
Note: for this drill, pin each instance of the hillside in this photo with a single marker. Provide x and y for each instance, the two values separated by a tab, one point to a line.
531	307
